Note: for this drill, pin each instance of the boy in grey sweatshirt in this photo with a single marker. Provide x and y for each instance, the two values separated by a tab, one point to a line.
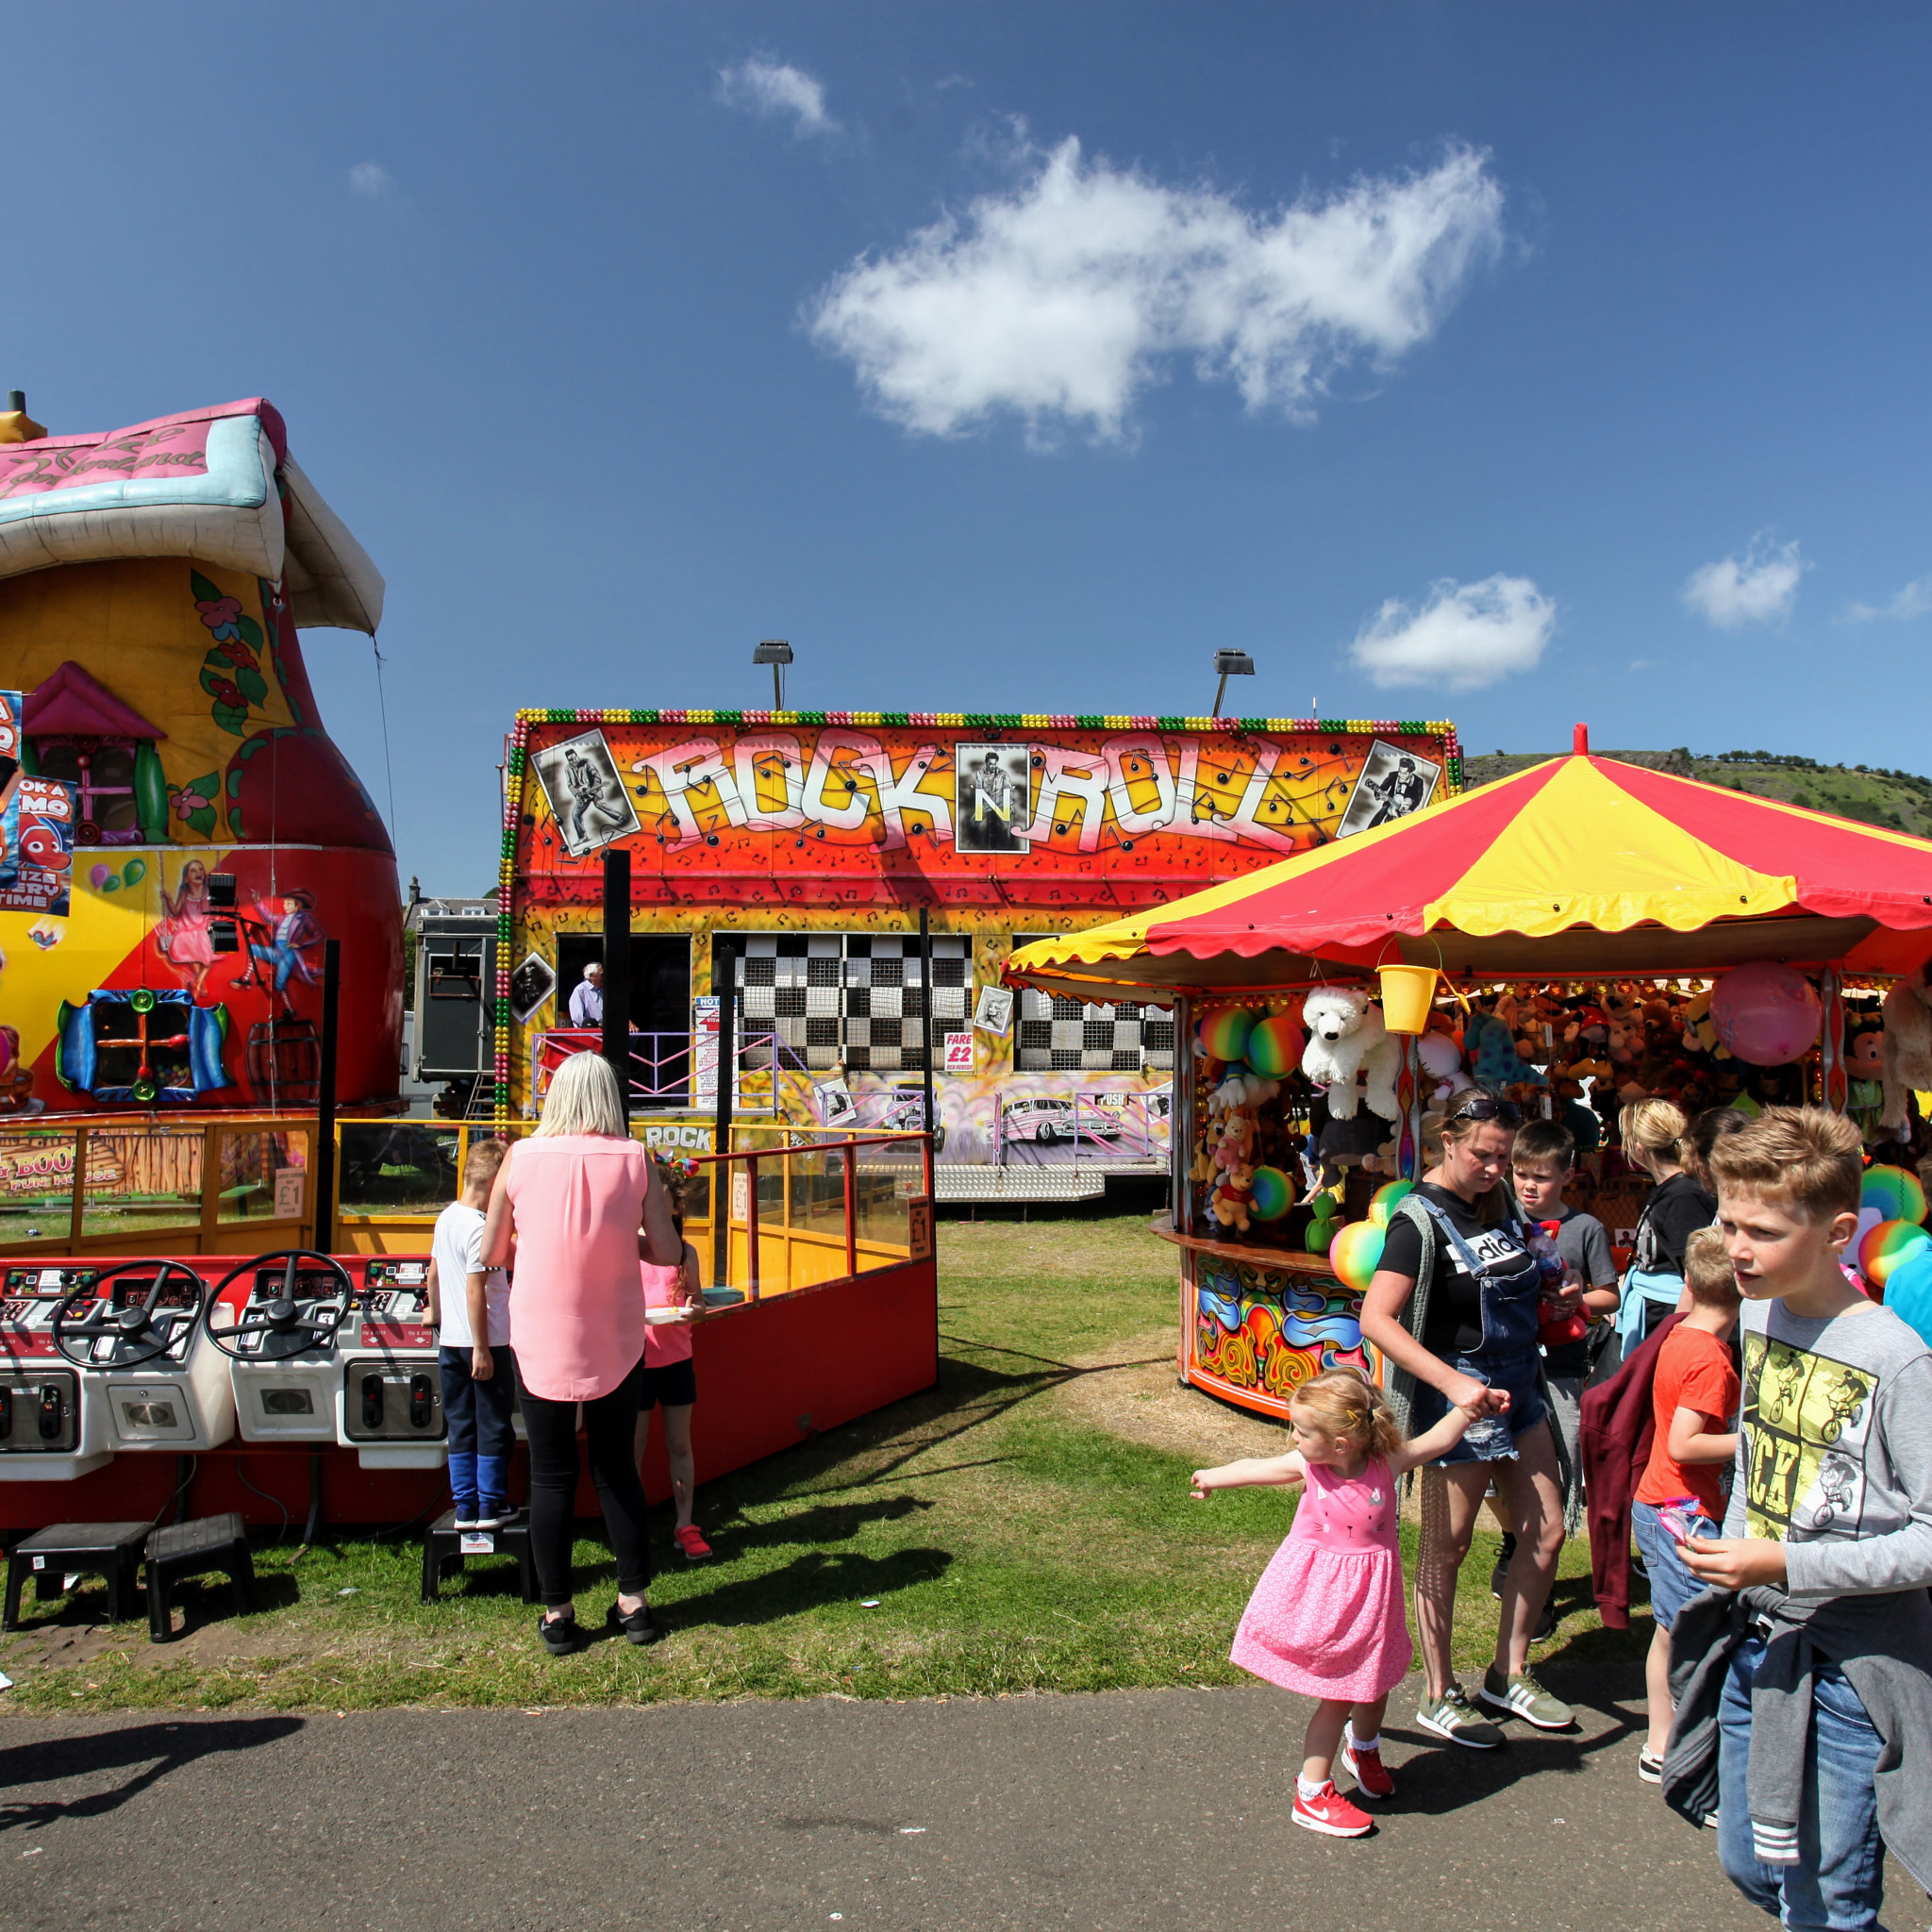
1833	1500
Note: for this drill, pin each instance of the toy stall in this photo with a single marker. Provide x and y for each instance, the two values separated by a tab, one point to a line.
1582	934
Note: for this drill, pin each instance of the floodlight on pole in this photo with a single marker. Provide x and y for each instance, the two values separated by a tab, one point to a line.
1230	664
777	654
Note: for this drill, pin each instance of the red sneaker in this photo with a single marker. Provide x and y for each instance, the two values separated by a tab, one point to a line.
688	1540
1367	1768
1330	1811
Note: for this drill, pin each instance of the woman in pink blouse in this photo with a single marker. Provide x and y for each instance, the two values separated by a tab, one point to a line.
577	1192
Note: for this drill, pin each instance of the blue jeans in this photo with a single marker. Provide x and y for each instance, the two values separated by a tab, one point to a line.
1837	1883
1492	1438
1672	1585
480	1432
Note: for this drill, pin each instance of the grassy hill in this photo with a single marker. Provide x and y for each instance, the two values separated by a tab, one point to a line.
1901	800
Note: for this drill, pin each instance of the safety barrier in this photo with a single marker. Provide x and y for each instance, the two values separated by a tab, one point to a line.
800	1207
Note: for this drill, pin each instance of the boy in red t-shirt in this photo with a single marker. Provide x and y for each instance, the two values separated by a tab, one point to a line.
1694	1401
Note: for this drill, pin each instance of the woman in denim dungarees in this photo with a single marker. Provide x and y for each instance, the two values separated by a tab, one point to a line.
1479	1343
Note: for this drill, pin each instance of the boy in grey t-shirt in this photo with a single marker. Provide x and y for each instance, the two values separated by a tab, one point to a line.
1833	1499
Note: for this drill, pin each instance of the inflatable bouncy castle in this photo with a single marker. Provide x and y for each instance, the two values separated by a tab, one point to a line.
178	836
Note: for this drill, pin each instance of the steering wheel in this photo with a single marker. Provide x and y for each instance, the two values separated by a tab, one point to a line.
143	1329
298	1321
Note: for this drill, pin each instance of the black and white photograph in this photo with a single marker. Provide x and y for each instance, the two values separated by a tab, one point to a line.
992	797
580	779
1394	783
835	1103
530	984
994	1013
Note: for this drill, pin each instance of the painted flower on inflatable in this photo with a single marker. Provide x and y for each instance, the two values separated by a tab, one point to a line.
238	642
187	802
219	614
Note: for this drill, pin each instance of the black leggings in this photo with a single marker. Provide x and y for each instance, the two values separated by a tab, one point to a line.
611	1428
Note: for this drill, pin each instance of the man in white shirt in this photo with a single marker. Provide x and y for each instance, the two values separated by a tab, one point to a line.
587	1000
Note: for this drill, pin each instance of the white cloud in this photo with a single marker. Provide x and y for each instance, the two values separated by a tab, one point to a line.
1760	586
371	181
1915	600
1464	636
768	87
1061	299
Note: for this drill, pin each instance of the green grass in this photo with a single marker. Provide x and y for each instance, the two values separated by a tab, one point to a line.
1011	1548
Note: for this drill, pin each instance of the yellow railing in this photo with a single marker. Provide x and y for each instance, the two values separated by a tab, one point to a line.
827	1205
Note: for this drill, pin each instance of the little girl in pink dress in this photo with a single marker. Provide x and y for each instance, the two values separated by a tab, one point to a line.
1326	1618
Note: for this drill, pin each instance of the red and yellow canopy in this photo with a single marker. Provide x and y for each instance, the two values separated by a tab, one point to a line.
1580	865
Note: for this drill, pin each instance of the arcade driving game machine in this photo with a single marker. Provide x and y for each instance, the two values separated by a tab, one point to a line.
179	839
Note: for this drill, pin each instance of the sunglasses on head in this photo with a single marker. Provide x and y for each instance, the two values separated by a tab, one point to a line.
1486	1106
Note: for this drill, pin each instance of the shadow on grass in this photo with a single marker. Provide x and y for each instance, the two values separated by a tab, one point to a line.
967	1397
158	1749
806	1583
828	1522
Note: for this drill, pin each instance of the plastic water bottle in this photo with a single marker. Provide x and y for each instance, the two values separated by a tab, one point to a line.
1556	1329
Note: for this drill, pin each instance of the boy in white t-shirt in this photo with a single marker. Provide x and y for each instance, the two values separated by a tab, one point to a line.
469	1308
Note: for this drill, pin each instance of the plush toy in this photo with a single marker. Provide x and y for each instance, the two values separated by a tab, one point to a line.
1865	1078
1490	1047
1325	1225
1441	1061
1233	1195
1907	1046
1346	1037
1699	1029
1527	1073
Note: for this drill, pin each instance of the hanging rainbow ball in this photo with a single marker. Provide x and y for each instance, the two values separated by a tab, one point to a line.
1356	1253
1275	1048
1386	1196
1224	1035
1895	1191
1886	1246
1270	1196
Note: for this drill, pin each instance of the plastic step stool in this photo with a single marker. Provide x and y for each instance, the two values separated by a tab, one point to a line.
92	1549
192	1548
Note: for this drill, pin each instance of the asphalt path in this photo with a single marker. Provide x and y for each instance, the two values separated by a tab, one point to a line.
1126	1810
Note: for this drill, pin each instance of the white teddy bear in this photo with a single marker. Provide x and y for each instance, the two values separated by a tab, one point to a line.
1346	1037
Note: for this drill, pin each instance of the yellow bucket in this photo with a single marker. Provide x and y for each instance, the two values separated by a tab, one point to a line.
1406	995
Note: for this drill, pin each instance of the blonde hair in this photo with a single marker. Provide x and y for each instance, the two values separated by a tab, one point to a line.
1800	1156
1707	1271
481	1162
1341	1404
1649	1130
583	1099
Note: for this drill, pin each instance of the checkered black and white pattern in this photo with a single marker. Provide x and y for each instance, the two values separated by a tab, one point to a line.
854	999
1062	1036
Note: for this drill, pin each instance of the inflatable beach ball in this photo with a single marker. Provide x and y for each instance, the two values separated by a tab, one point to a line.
1767	1015
1270	1194
1224	1035
1386	1197
1895	1191
1886	1246
1356	1253
1275	1048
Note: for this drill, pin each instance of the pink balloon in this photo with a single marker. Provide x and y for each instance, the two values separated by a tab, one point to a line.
1766	1014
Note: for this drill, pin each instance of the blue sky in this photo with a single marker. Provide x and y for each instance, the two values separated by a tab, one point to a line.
1567	363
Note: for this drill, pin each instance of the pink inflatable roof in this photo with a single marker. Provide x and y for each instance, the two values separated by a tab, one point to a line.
71	702
168	446
218	484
